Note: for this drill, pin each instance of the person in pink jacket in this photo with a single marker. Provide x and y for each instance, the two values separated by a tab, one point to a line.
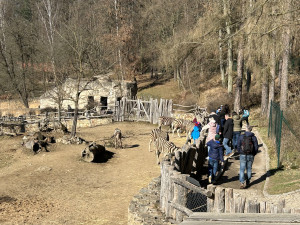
213	129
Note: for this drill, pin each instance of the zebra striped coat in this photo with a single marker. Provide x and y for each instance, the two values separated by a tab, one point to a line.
184	125
163	120
164	147
155	133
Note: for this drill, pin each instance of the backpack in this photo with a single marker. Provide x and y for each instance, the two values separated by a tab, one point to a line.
247	145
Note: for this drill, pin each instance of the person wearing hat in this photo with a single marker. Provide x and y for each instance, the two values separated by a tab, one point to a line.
248	148
215	155
196	133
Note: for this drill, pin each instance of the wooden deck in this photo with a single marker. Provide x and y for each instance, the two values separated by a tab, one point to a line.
241	218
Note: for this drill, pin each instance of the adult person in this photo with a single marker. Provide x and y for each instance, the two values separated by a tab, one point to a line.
227	135
215	155
225	110
245	115
237	128
215	117
248	148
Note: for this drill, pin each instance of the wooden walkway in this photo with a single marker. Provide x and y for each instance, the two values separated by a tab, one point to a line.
241	218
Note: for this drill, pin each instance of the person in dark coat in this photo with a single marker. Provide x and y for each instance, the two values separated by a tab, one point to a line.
247	148
237	128
215	116
227	135
225	110
215	155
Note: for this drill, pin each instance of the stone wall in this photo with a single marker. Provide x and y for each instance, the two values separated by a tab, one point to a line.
144	207
34	126
90	122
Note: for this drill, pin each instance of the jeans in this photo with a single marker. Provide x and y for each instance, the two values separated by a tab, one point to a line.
246	162
212	167
225	143
236	135
245	118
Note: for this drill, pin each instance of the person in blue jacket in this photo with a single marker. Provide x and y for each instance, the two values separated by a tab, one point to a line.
196	132
215	155
245	115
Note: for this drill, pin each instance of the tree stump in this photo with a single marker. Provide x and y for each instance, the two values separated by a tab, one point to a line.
93	153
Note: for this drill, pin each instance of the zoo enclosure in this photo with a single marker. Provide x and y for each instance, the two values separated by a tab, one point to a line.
283	134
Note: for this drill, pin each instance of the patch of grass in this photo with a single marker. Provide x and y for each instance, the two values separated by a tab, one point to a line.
169	90
286	178
283	181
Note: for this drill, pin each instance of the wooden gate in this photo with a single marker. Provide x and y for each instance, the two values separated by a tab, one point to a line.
142	110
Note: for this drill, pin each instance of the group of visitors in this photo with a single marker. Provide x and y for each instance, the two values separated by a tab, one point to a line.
224	128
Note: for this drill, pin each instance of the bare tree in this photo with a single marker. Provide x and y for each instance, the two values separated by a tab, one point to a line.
48	10
285	56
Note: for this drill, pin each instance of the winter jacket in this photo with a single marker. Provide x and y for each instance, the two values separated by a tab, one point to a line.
196	132
216	118
216	150
213	129
254	140
228	129
237	123
246	113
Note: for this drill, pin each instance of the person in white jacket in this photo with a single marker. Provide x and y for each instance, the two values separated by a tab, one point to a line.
213	129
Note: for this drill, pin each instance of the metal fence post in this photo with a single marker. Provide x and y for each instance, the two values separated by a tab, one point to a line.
270	119
278	138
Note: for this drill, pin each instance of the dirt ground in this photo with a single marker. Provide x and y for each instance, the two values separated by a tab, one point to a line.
58	187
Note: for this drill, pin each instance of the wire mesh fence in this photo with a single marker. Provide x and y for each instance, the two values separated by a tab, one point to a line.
196	202
285	138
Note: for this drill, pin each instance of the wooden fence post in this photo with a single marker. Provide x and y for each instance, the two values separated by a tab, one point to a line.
211	201
220	200
151	110
138	111
252	206
262	207
239	203
163	183
170	212
181	198
228	200
281	205
170	108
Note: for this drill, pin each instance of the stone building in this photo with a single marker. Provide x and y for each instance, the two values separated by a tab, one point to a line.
102	93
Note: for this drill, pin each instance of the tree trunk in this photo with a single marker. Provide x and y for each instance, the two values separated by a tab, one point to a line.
264	95
273	76
229	44
221	59
248	82
285	60
117	32
239	80
74	125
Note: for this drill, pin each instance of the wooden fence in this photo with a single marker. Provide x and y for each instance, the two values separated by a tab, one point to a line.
227	200
141	110
179	197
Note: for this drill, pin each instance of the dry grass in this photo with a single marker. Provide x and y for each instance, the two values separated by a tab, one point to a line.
17	108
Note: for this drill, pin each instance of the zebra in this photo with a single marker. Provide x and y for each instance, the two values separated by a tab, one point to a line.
163	120
184	125
155	133
164	147
177	125
118	138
